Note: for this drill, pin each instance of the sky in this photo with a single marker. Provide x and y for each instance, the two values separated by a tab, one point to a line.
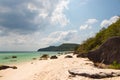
27	25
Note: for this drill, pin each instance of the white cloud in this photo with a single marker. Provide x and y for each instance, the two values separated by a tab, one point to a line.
32	7
33	15
43	15
91	21
24	27
84	27
60	37
88	24
106	23
36	40
58	17
17	42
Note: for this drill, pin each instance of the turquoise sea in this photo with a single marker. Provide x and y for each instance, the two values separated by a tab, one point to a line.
6	56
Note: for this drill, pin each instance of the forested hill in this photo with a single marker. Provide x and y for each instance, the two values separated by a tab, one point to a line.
94	42
62	47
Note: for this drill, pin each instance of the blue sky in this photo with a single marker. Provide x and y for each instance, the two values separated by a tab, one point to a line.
27	25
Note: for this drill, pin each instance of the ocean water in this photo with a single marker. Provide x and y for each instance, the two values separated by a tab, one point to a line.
6	57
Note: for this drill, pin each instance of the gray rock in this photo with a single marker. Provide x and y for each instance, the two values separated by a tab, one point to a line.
94	75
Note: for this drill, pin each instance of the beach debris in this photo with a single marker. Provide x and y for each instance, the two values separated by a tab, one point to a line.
94	74
68	56
53	57
2	67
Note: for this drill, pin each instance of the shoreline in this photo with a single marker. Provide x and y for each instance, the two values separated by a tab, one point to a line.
51	69
6	58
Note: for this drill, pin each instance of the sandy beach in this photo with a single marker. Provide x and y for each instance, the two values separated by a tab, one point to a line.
51	69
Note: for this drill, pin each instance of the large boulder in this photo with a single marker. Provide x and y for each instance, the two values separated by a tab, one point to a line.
108	52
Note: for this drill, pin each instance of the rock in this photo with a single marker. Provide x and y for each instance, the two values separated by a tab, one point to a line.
53	57
118	73
13	67
103	75
68	56
94	75
14	56
108	52
44	57
2	67
114	74
83	55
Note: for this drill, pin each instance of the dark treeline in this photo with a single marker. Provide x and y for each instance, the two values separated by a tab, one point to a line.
62	47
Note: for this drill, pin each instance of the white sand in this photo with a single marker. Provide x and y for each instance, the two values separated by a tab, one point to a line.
50	70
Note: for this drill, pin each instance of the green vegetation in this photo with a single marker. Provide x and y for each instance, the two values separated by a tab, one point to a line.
62	47
115	65
95	42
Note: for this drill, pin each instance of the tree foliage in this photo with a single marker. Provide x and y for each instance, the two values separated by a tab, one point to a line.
62	47
94	42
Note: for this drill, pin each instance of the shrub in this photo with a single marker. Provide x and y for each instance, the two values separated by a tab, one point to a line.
114	65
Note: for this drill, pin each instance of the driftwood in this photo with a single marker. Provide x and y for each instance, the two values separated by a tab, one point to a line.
94	75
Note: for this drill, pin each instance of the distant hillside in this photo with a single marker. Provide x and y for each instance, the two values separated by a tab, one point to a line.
62	47
94	43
